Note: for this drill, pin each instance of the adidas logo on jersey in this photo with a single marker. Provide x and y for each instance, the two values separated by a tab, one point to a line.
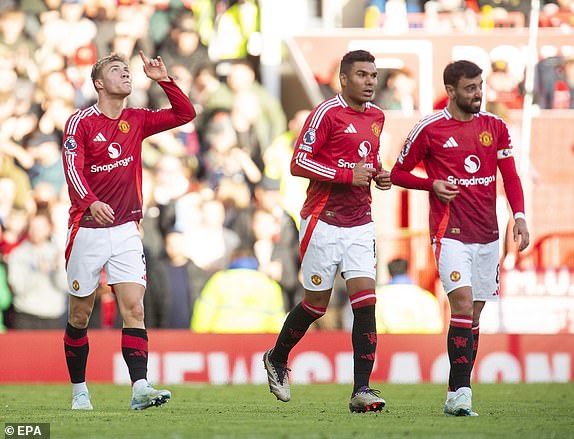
99	138
351	129
450	143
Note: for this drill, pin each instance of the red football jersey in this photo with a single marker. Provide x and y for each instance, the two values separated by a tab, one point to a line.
464	153
102	156
334	138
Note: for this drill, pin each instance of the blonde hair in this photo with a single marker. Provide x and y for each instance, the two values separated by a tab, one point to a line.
98	67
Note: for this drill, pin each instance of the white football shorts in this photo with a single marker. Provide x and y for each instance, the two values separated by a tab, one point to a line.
117	249
474	265
324	248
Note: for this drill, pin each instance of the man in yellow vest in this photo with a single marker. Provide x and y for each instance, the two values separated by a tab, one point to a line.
405	308
239	299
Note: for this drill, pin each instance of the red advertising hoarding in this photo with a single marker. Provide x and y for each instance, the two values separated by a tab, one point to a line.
177	357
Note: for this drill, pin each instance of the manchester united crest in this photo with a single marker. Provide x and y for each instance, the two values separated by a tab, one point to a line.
76	285
485	138
455	276
376	128
124	126
316	279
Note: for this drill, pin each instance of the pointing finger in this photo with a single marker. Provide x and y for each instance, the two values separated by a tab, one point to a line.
143	57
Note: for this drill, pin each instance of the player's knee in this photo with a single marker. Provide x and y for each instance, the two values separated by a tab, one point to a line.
461	304
135	312
79	319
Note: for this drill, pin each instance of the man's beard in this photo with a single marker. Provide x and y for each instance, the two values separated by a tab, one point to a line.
468	108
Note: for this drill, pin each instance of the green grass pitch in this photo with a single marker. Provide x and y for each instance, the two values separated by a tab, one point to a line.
506	411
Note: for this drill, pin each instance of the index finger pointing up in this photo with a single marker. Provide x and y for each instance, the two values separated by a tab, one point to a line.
143	57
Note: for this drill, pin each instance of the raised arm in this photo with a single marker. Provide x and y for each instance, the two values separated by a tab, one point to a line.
181	111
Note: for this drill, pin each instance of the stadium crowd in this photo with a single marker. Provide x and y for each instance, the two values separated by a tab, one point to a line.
217	191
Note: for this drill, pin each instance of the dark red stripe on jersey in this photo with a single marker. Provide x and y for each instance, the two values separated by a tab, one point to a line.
313	222
308	233
441	230
131	342
442	226
75	342
68	251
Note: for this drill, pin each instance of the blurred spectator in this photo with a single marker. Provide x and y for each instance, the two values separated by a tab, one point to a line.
58	206
5	294
171	179
559	13
503	87
45	198
206	86
6	5
173	287
551	85
405	308
235	31
141	85
124	40
184	78
497	108
47	166
239	299
449	15
16	46
54	116
224	157
8	191
37	278
67	30
57	95
132	28
17	118
398	92
238	204
498	8
14	230
331	85
79	74
244	116
151	227
183	45
11	171
103	14
277	241
569	77
241	77
210	244
277	159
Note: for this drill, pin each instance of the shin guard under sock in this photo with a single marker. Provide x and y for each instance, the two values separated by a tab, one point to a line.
135	352
76	348
295	326
364	336
460	350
